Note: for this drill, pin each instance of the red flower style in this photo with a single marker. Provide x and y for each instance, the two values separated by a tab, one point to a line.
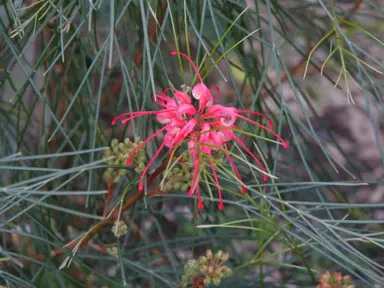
209	128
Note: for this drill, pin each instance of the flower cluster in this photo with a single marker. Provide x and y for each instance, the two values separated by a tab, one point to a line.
207	270
334	280
120	228
117	154
206	129
176	179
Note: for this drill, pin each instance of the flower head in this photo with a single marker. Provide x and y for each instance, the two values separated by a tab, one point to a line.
207	128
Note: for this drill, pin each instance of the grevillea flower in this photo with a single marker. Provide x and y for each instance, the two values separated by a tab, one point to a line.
210	127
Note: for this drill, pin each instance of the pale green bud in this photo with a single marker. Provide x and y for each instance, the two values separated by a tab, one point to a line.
114	142
216	281
120	228
207	281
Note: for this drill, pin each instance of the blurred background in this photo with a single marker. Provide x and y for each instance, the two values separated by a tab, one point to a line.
72	217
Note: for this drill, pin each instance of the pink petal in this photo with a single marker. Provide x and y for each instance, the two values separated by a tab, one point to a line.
217	93
216	138
187	109
226	134
228	116
202	93
184	132
182	98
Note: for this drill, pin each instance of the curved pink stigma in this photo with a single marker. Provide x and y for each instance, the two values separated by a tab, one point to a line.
188	128
217	93
149	165
221	206
140	113
143	143
253	156
285	144
191	62
200	204
196	165
258	114
243	189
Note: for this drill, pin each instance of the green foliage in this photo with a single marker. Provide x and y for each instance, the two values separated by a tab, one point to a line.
67	68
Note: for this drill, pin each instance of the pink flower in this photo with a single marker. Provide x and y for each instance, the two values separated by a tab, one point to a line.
209	128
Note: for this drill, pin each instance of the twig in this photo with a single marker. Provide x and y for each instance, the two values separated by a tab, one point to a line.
108	199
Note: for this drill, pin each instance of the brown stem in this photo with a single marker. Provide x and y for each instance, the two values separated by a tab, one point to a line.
106	222
108	199
351	11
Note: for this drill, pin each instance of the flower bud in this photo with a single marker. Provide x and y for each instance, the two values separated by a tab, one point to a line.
225	256
176	186
120	228
184	187
121	147
337	278
190	267
347	279
226	271
113	251
207	281
216	281
202	260
203	269
219	254
184	278
209	254
114	143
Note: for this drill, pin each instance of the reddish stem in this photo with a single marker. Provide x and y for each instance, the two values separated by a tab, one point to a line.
108	199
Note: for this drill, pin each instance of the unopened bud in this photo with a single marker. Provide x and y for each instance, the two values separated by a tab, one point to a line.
226	271
209	254
114	143
190	267
216	281
207	281
120	228
203	269
113	251
225	256
219	254
203	260
347	279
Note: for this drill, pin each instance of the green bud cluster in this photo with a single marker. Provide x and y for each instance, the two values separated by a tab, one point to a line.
335	280
113	251
120	229
177	179
347	282
209	268
118	153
